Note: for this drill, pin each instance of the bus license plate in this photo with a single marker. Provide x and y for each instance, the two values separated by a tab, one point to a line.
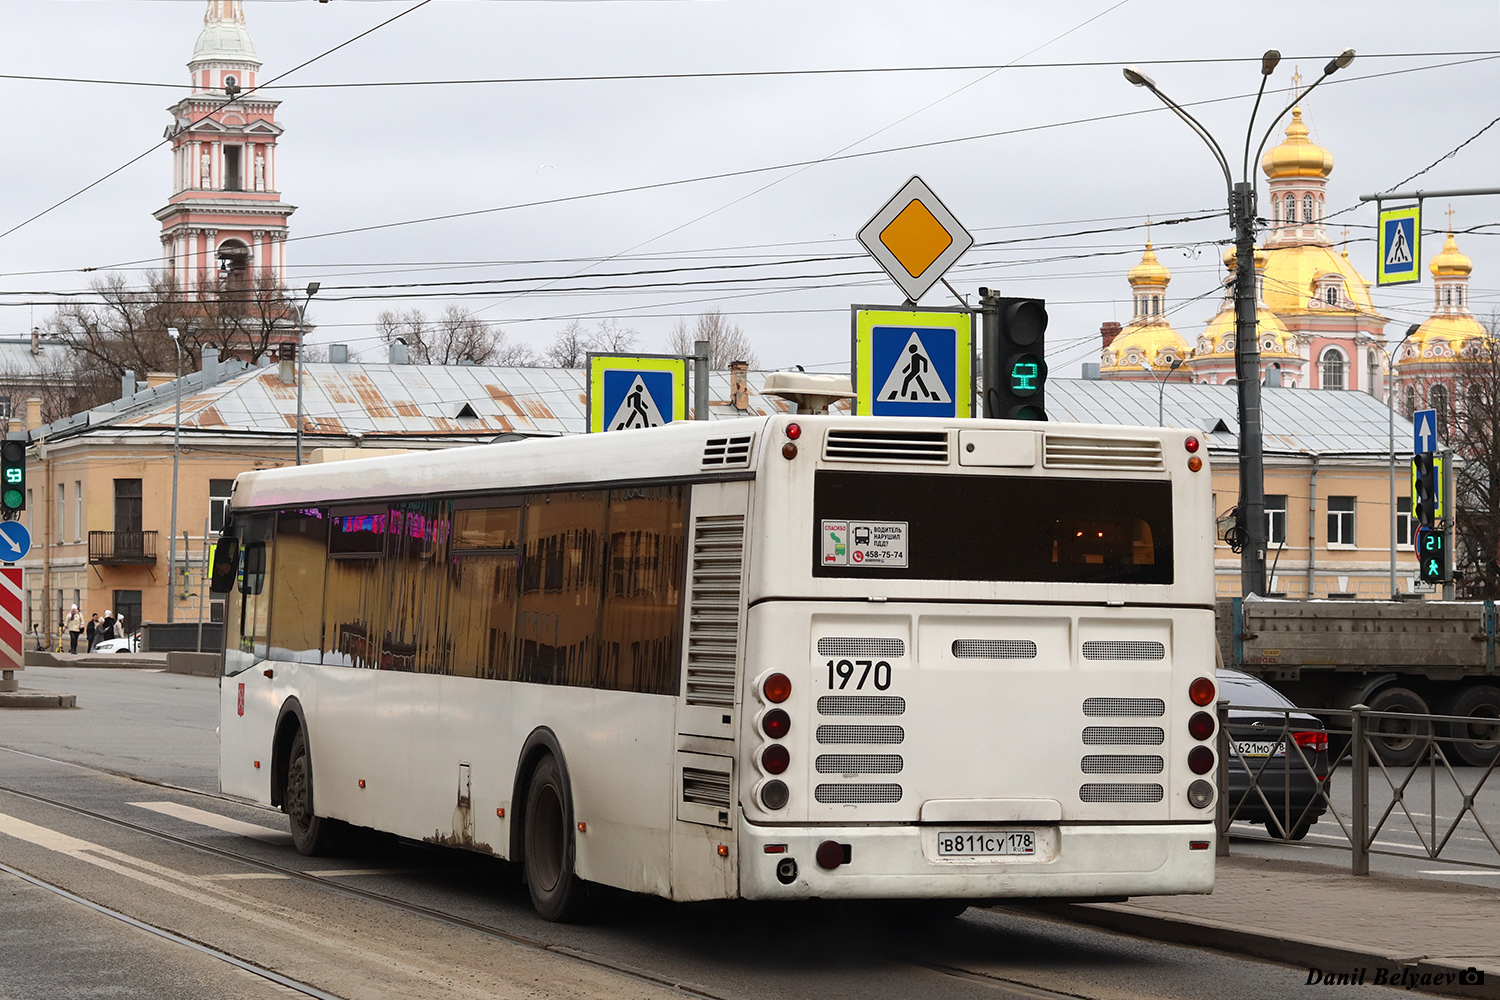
969	844
1259	749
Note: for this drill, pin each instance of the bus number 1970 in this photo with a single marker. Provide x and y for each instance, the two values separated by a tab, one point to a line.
841	672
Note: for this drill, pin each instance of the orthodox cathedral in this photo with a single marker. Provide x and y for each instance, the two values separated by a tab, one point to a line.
1317	325
225	222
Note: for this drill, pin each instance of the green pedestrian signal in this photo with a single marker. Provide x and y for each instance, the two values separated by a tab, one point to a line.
1432	555
13	476
1015	357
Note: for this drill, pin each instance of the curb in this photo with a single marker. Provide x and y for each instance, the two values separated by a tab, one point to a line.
37	699
1310	953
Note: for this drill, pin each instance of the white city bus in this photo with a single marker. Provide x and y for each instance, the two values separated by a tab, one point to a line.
769	658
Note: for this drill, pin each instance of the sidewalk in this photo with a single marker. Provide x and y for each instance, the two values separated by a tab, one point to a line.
1323	918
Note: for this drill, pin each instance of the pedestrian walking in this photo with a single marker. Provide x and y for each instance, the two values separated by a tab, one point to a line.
93	630
74	625
107	629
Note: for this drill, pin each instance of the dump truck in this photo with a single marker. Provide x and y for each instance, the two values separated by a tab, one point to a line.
1418	657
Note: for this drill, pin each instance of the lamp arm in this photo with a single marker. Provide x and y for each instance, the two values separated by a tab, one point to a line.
1203	134
1250	128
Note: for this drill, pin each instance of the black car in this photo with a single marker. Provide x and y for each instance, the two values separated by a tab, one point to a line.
1258	749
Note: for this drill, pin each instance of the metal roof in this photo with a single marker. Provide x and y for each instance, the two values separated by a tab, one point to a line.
474	402
1293	421
384	400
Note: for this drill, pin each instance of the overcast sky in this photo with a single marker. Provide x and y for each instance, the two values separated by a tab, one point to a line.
362	156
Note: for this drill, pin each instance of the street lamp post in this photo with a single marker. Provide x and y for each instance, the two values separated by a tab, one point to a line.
312	289
176	435
1247	347
1390	421
1161	385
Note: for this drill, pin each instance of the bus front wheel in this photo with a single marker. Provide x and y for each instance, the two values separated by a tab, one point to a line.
311	834
557	893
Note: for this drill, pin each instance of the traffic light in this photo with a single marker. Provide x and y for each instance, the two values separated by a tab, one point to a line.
1015	357
1423	490
1432	555
12	476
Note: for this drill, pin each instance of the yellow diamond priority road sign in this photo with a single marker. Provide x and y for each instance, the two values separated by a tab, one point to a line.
915	238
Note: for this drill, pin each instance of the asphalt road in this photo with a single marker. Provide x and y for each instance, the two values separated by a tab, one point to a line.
243	898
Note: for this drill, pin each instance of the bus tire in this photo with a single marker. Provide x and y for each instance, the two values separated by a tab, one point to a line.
311	834
549	851
1483	702
1399	742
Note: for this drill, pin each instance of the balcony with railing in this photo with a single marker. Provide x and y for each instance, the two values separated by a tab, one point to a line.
122	548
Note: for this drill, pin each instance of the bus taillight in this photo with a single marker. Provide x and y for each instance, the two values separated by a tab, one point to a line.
1201	691
775	795
1200	760
775	758
777	688
1201	726
776	724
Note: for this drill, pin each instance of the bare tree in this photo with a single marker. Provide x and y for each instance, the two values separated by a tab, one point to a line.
610	336
727	341
569	348
454	336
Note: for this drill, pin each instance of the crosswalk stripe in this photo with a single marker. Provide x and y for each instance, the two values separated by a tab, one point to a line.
214	821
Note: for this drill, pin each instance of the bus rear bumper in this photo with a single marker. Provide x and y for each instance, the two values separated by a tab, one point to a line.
903	862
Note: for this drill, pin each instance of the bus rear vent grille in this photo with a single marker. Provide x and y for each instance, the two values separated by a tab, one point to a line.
838	645
1104	736
860	763
705	788
921	447
994	649
861	704
1112	649
714	609
728	452
857	793
864	734
1101	763
1110	792
1122	707
1068	451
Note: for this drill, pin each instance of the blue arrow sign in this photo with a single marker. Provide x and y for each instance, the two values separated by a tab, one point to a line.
1424	432
15	541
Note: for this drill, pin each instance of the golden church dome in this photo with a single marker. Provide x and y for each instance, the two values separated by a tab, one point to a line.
1149	271
1292	271
1444	339
1153	343
1296	155
1450	261
1232	258
1218	339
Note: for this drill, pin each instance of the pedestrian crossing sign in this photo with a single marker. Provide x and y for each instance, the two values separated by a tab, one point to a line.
913	362
630	392
1399	260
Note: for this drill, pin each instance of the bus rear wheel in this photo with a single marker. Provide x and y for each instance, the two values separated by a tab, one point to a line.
557	894
311	833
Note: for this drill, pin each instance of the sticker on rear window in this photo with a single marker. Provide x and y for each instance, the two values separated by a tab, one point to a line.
876	544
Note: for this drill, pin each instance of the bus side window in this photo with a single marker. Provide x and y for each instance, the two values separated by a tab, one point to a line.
249	610
253	579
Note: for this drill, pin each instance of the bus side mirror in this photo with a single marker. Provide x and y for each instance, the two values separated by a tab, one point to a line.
226	557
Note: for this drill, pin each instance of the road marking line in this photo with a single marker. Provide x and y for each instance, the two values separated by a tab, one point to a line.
339	872
214	821
1454	871
41	836
237	876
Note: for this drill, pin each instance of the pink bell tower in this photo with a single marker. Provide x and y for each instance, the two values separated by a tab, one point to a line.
225	223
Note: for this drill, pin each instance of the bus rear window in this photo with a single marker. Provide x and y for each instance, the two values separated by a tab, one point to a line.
906	526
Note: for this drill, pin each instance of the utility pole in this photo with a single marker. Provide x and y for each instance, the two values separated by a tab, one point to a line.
1247	388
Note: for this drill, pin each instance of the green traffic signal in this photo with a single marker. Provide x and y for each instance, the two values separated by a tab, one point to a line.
13	475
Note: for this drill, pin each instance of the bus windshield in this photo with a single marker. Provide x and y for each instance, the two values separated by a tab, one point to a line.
992	528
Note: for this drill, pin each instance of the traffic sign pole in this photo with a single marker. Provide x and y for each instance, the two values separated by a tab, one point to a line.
1445	483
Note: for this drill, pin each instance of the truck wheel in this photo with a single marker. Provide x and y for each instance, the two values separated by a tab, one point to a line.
1399	742
1482	702
557	894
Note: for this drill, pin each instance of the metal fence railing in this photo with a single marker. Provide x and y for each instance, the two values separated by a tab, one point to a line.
1289	785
